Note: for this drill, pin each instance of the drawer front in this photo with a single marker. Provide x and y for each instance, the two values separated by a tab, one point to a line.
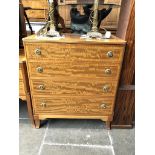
74	69
73	106
73	87
71	52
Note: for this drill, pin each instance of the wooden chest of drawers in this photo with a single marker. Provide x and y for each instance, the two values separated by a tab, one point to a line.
73	77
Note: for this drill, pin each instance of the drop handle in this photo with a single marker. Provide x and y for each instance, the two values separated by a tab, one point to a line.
43	105
38	51
107	71
41	87
39	69
103	105
110	54
106	88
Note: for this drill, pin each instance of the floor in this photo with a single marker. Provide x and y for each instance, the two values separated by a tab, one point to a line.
72	137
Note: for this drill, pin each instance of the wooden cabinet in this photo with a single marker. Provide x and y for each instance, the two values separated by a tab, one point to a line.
39	11
73	77
111	21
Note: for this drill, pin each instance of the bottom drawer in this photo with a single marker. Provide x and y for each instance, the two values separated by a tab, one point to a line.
73	106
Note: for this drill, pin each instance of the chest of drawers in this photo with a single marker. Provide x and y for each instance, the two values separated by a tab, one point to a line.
73	77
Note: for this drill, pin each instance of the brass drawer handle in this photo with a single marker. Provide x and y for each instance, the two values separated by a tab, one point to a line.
107	71
103	105
39	69
106	88
38	51
41	87
110	54
43	105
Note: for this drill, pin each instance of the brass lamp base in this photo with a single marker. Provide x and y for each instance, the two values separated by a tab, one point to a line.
44	31
93	34
53	33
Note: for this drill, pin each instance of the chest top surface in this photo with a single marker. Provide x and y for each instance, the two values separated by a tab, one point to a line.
74	39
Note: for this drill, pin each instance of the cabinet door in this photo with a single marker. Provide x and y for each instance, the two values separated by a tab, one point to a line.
64	11
38	11
111	21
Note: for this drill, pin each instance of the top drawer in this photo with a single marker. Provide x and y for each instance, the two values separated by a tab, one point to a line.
71	52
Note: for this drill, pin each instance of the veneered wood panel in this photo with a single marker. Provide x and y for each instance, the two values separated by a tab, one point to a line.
36	4
79	69
78	52
37	14
76	96
73	87
73	106
38	11
111	21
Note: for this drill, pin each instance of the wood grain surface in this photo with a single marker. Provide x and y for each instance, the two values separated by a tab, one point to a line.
37	14
83	69
69	52
73	106
35	4
72	82
125	102
124	111
110	22
72	87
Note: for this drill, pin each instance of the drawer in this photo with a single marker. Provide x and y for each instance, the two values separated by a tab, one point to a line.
73	87
85	69
73	106
72	52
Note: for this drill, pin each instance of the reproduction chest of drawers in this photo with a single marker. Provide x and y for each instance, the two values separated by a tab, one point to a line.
72	77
